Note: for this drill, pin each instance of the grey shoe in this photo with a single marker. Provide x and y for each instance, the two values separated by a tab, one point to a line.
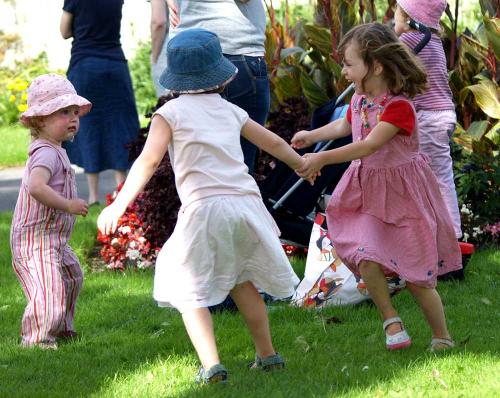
269	363
216	374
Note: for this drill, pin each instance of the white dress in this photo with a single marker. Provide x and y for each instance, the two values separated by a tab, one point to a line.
224	234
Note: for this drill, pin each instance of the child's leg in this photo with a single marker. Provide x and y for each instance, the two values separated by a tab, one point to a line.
435	129
198	323
72	277
253	310
120	176
44	288
376	283
432	307
93	183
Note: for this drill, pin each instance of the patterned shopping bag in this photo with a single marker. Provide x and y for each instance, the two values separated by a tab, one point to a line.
327	281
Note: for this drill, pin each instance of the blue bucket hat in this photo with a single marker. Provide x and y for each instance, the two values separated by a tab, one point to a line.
195	63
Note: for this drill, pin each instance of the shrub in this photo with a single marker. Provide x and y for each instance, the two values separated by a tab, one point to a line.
128	247
13	85
140	71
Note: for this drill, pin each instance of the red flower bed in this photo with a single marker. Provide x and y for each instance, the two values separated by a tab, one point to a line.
127	247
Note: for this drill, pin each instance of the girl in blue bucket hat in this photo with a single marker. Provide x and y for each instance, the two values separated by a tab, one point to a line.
225	241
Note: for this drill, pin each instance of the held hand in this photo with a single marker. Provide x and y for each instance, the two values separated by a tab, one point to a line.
301	139
311	178
78	207
311	167
173	13
107	222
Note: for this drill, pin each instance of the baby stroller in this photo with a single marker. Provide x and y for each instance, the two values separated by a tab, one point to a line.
294	204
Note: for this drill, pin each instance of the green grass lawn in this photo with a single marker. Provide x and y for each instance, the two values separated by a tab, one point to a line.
132	348
15	142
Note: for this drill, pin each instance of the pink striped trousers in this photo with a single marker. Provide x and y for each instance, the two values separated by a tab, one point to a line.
48	270
435	129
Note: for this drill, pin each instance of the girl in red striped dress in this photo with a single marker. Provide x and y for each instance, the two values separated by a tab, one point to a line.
48	270
386	215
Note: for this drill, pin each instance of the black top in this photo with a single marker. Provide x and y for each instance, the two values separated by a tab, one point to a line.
96	29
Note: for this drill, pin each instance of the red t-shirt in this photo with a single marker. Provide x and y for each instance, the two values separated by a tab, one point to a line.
399	113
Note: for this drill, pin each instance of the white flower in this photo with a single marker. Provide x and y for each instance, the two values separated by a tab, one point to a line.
466	237
125	229
142	264
133	254
132	245
464	209
141	239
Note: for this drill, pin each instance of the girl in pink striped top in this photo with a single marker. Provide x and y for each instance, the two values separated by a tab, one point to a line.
48	270
435	109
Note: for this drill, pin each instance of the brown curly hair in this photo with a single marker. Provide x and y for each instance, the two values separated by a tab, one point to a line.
34	124
401	68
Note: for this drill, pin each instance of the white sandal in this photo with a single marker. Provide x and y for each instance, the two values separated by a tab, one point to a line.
439	344
399	340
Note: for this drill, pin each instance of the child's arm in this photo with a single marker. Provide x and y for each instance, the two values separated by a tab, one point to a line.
273	144
65	25
156	145
337	129
38	188
380	135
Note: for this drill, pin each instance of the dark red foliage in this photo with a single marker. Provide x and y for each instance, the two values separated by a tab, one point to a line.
292	116
127	247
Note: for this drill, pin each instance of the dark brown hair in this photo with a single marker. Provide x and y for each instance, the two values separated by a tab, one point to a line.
401	68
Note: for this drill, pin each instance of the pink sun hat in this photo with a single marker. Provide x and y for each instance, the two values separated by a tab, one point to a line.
51	92
426	12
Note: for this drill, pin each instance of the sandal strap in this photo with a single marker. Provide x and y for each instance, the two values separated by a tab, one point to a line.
438	340
268	363
206	376
390	321
271	360
216	369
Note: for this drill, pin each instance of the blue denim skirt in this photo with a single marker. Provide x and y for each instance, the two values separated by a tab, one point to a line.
112	122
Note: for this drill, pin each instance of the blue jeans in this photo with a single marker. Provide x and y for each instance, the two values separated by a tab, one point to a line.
250	91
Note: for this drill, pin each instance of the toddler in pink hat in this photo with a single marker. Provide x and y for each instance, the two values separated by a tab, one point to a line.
426	12
435	107
48	270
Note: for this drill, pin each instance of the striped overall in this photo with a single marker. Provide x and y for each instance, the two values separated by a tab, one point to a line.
48	270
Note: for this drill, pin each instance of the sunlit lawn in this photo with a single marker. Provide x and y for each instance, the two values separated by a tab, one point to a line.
132	348
15	140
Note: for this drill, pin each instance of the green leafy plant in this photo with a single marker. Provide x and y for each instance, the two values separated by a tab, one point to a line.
13	84
140	71
475	84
